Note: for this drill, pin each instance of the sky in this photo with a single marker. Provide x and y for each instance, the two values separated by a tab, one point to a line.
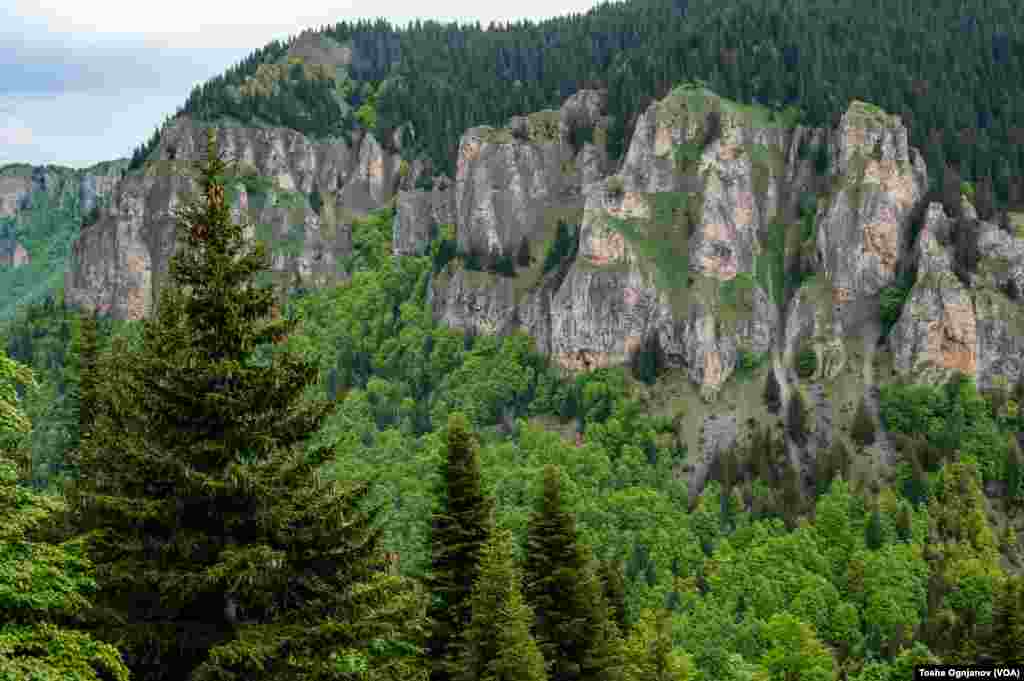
84	82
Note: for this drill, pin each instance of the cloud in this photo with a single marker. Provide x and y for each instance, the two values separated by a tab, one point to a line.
13	132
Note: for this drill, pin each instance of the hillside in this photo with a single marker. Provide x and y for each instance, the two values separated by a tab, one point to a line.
776	350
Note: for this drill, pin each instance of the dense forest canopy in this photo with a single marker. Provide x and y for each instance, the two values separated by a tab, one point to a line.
954	73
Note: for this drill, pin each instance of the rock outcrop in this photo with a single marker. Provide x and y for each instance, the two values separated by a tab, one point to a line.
13	254
703	186
118	263
948	326
19	181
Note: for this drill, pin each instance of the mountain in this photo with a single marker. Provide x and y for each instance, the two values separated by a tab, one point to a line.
716	243
777	350
41	211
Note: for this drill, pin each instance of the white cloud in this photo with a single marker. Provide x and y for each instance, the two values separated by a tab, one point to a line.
13	132
93	80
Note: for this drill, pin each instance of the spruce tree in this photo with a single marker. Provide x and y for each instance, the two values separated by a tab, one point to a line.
220	552
573	625
497	644
649	654
460	529
614	582
1006	642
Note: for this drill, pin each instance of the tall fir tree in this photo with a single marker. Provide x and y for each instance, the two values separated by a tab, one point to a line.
613	580
649	654
460	529
1006	642
220	552
573	625
497	645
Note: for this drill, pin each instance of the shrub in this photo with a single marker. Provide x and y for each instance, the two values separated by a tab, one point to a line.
749	362
806	363
563	247
503	265
614	185
403	169
316	202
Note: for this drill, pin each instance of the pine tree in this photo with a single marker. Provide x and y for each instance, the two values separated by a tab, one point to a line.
863	428
88	378
1006	643
614	583
873	535
460	529
220	553
573	626
649	654
497	644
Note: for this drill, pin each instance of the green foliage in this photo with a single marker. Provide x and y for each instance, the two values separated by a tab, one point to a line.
649	653
770	264
497	642
316	202
806	362
953	417
460	530
564	247
793	651
572	623
226	437
892	299
748	363
685	156
41	584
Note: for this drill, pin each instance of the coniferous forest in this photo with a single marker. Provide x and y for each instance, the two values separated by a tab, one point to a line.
952	72
336	486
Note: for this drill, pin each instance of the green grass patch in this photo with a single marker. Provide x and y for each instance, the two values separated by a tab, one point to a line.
663	240
770	264
748	364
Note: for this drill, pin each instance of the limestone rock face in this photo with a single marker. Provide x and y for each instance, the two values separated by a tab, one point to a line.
60	184
937	332
946	326
717	180
118	264
13	254
502	188
416	212
861	233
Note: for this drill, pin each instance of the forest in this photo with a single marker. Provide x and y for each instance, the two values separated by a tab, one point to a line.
337	487
329	484
953	74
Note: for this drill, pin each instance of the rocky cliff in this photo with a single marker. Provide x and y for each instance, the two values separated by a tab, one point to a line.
119	262
19	181
727	237
22	184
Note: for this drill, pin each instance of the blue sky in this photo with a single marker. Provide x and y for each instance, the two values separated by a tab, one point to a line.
83	82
